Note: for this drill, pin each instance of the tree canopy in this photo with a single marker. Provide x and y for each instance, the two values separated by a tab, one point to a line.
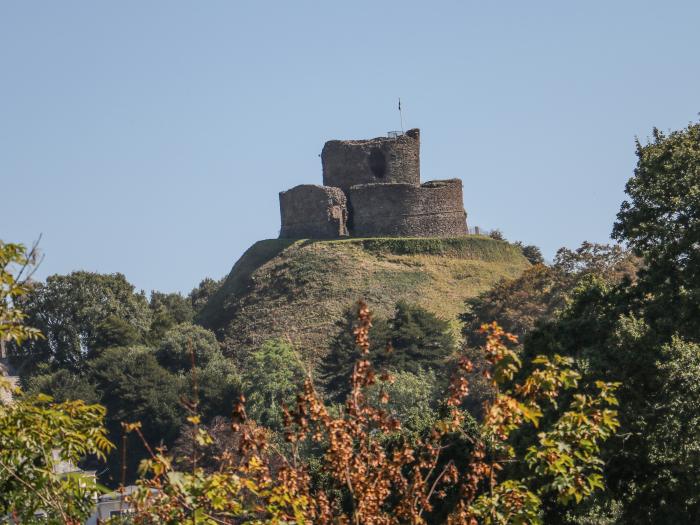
70	311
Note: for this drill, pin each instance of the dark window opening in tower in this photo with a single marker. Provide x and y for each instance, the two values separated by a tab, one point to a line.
377	163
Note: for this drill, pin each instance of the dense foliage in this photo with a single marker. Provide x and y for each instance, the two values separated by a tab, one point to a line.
105	343
70	311
412	340
370	475
41	441
633	320
541	292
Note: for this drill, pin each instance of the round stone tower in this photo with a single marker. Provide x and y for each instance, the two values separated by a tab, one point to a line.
348	163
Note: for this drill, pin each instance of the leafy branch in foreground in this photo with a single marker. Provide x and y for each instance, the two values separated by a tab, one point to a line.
370	473
16	265
41	442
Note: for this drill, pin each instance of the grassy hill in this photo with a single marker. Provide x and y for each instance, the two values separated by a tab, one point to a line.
299	289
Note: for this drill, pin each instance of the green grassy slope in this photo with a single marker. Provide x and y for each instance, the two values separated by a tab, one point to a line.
299	289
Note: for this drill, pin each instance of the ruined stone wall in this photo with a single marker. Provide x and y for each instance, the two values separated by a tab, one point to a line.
434	209
313	212
347	163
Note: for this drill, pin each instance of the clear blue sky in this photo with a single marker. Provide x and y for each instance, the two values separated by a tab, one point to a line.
152	138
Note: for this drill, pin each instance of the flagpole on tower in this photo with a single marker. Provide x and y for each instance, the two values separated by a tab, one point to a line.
400	115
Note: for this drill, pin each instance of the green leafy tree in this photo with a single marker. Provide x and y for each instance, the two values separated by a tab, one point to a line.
218	381
272	377
608	339
413	398
200	295
70	310
660	221
169	309
41	442
134	387
336	369
412	340
115	331
64	385
185	342
531	252
672	442
497	234
219	385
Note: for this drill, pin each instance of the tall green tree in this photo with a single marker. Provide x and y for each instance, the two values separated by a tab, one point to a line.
134	387
70	310
412	340
660	221
272	376
168	310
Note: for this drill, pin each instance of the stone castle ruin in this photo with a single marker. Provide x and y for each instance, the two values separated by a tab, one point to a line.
372	188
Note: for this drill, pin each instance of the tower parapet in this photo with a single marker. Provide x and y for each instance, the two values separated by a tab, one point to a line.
347	163
434	209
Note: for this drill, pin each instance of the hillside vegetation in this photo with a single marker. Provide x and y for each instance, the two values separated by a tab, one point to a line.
299	289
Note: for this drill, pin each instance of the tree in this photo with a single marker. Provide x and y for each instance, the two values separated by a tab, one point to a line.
412	340
497	234
517	304
672	442
115	331
15	269
185	342
70	310
418	339
531	252
200	295
64	385
661	223
38	439
169	309
134	387
218	381
336	368
413	399
219	384
272	376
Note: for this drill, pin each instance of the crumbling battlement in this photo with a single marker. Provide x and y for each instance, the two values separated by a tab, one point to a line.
371	189
434	209
347	163
313	212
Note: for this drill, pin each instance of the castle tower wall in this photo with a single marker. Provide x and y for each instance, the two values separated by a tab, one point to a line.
434	209
348	163
313	212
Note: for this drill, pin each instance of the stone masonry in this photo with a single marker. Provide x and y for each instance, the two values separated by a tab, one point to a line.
371	188
350	162
313	212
